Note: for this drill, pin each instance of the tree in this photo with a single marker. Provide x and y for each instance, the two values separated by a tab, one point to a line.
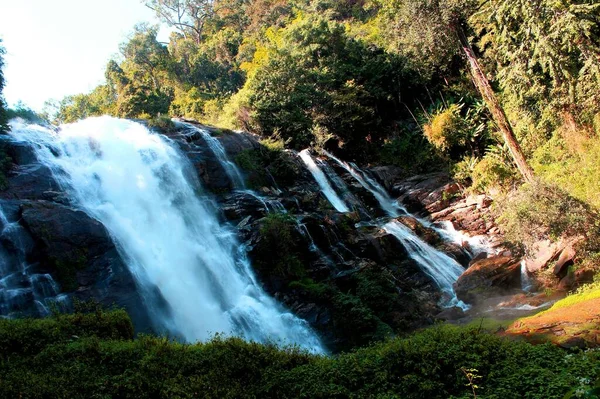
434	30
3	111
546	55
188	16
312	81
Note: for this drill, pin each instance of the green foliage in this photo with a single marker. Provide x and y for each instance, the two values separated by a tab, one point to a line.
29	337
3	114
539	211
268	165
424	32
297	86
277	252
162	123
93	356
571	160
459	128
410	150
67	267
546	56
24	112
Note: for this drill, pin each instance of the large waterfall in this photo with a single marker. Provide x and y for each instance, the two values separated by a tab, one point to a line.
145	193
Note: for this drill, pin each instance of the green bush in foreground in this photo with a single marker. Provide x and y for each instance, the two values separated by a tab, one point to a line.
94	356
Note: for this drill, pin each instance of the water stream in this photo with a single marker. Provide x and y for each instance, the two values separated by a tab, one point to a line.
323	183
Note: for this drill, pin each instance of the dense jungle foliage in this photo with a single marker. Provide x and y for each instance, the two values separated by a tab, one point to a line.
94	355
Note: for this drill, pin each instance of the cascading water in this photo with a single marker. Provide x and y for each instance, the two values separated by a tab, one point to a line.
323	183
145	193
440	267
476	244
236	177
20	286
389	205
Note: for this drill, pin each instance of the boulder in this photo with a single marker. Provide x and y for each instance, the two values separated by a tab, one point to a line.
80	253
565	259
387	175
489	277
32	182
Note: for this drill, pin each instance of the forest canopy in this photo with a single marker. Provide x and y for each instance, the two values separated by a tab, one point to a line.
374	80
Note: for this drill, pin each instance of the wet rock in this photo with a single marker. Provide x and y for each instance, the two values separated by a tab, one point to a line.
387	175
20	153
32	182
489	277
64	230
80	253
241	204
565	259
450	314
478	257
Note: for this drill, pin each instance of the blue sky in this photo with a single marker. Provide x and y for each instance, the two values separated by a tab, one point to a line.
60	47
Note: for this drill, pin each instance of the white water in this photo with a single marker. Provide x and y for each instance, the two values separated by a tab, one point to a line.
144	191
323	183
231	169
389	205
440	267
20	288
475	244
526	280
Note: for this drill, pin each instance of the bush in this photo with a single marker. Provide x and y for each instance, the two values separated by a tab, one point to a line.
277	251
539	211
425	365
28	337
162	123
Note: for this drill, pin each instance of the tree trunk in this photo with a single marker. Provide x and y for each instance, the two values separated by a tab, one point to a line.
483	85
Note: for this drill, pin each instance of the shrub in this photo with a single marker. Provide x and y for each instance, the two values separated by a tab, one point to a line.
277	252
539	211
45	360
162	123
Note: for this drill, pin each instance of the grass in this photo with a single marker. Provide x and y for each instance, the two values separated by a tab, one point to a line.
585	293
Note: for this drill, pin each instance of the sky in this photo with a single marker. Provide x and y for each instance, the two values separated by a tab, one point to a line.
56	48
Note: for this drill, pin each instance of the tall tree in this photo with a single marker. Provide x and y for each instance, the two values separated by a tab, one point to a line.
546	53
3	113
435	30
188	16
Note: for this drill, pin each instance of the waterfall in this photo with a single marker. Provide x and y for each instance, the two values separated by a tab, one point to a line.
22	290
440	267
526	280
146	194
389	205
475	244
323	183
231	169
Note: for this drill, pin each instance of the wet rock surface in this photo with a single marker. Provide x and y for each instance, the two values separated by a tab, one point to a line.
350	279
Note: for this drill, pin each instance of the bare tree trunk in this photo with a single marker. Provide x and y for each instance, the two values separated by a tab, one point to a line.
483	85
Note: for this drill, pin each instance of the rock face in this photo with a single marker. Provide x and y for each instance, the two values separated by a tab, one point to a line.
57	240
495	276
352	282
